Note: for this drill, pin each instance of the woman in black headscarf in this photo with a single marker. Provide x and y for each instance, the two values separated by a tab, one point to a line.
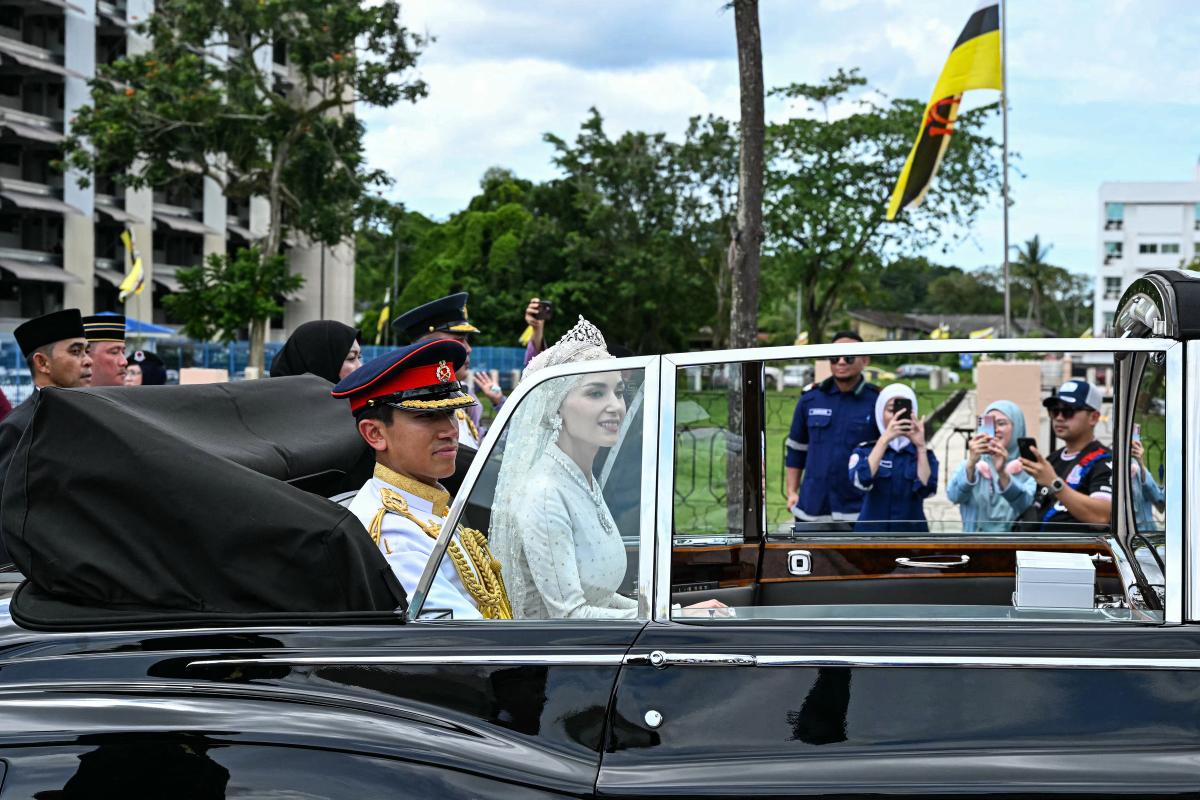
326	348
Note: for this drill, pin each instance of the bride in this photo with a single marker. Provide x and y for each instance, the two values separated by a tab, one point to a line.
551	530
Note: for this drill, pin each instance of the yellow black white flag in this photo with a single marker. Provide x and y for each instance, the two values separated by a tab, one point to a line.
974	63
135	279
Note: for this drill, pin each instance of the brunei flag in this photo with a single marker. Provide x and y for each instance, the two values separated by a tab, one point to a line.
384	316
974	63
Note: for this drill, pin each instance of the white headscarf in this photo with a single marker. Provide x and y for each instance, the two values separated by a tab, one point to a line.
890	391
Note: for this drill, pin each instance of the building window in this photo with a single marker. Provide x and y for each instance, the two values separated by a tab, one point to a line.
1170	248
1198	216
1147	248
1113	251
1196	248
1112	288
1114	216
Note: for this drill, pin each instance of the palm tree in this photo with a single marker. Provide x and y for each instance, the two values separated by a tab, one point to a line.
1038	275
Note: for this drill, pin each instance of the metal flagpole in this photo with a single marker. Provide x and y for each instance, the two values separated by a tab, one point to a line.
1004	158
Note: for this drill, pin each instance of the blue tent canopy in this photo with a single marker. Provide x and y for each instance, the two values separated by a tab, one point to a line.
135	327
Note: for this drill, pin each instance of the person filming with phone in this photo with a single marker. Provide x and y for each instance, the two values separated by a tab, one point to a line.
990	487
1075	482
896	472
831	417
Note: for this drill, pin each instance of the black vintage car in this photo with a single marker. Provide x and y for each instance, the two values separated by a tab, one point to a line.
198	620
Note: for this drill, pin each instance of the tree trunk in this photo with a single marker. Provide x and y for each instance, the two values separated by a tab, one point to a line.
258	341
746	245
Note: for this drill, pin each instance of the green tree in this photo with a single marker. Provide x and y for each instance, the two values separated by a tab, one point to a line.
222	296
204	98
1036	276
963	293
829	177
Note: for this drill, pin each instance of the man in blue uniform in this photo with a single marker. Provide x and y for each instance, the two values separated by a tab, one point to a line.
831	418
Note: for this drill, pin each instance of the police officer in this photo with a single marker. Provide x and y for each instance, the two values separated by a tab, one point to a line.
831	418
446	318
106	345
403	404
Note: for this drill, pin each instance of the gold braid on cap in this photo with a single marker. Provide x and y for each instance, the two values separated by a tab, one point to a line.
484	583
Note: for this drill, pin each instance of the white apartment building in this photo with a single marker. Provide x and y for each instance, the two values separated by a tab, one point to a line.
1142	226
59	242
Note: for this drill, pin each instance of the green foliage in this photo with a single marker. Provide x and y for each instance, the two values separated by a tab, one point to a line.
828	181
223	296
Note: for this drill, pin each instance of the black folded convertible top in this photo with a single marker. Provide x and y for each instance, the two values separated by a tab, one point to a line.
175	500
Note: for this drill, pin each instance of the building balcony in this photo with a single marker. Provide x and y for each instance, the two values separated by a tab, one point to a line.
32	127
181	220
1114	224
33	265
24	55
30	196
114	209
111	13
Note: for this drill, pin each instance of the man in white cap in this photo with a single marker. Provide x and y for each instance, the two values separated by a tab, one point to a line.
1075	482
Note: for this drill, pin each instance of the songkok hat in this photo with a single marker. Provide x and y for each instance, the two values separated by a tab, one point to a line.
48	329
447	314
419	377
154	371
104	328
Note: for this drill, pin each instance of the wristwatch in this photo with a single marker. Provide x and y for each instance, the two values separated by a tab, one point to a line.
1057	485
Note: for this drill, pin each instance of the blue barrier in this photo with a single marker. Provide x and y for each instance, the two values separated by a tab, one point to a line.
16	382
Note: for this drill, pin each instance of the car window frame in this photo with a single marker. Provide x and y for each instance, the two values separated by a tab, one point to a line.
651	423
1174	514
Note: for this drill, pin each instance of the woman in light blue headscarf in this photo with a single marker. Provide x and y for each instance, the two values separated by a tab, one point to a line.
989	495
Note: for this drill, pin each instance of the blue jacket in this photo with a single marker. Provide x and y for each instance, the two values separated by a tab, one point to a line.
1146	495
984	507
894	497
826	426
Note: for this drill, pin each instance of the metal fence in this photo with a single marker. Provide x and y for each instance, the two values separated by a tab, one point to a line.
178	354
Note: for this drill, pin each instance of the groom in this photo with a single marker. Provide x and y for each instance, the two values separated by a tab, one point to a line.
404	404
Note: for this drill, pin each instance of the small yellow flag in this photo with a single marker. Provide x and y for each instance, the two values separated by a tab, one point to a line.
984	333
802	339
134	280
384	316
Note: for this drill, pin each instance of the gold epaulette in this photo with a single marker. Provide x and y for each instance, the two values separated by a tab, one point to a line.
484	583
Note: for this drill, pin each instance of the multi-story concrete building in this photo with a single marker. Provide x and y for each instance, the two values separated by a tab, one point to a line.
1142	226
59	242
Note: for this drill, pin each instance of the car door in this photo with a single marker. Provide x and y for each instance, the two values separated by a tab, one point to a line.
867	691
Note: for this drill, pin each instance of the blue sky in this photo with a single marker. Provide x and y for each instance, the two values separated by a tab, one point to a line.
1106	90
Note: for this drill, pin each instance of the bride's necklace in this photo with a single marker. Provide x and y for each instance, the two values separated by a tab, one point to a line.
592	487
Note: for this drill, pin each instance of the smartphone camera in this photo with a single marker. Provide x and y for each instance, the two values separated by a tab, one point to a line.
545	310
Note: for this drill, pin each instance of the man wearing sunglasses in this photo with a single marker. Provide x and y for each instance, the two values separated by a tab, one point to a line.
1075	483
831	419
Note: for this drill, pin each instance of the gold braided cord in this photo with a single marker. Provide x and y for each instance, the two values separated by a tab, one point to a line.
465	417
436	496
483	583
447	402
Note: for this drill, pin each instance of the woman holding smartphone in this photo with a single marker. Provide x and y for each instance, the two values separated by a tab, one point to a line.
989	496
896	472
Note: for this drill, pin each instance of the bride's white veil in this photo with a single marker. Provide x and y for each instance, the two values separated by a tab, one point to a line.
531	432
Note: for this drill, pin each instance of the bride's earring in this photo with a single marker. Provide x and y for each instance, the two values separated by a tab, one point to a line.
555	423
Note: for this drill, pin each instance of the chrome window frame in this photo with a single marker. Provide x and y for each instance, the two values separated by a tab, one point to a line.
651	381
1174	517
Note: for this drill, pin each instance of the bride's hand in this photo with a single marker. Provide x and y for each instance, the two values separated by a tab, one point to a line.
712	605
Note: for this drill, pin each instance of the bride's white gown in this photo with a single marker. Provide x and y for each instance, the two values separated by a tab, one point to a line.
566	558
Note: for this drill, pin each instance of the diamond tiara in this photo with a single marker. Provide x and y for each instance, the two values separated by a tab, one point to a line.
584	332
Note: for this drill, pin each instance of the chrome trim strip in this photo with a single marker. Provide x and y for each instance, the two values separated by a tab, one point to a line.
1173	483
814	351
651	388
665	496
416	598
998	662
521	659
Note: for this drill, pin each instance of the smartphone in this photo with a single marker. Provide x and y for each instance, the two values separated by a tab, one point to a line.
1137	432
902	408
1026	445
545	311
987	425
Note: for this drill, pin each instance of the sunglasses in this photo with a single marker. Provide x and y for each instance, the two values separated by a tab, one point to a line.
843	359
1066	412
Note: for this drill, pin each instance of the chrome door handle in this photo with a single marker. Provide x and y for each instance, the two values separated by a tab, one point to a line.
660	660
953	561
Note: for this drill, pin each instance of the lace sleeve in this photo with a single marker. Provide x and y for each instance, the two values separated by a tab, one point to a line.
550	554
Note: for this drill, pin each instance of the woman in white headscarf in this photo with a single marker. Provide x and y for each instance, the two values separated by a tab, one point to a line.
560	550
896	472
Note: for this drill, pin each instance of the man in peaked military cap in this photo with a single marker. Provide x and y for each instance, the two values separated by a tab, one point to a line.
56	352
404	404
106	345
446	318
